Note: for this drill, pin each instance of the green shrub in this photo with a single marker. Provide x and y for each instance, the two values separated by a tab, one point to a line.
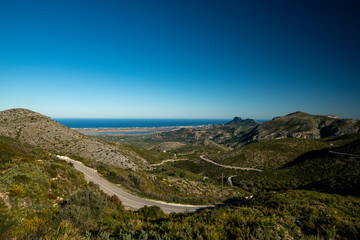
65	230
135	179
6	221
152	213
17	191
84	209
33	228
21	178
116	201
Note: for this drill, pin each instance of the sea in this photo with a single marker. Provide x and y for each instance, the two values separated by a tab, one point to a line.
134	123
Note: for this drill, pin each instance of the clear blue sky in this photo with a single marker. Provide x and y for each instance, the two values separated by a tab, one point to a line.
180	59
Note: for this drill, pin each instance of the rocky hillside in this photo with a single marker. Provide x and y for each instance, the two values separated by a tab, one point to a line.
303	125
39	130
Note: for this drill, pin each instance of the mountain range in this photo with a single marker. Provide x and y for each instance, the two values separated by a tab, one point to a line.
239	132
38	130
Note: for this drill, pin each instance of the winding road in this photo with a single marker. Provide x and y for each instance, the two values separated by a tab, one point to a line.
345	154
128	200
227	166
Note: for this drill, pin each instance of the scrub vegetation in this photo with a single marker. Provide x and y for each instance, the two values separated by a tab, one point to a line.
308	189
46	198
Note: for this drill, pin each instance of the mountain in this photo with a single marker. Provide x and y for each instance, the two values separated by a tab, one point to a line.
239	132
38	130
303	125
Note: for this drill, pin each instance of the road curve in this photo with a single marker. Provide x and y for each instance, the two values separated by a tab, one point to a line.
128	200
230	180
227	166
345	154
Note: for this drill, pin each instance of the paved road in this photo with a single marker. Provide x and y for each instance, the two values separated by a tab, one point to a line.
128	200
345	154
227	166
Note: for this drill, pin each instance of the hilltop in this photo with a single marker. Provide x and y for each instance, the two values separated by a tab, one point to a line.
41	131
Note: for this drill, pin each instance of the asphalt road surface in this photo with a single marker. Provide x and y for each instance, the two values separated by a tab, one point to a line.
227	166
128	200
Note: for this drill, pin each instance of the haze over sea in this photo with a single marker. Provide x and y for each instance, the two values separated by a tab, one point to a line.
132	123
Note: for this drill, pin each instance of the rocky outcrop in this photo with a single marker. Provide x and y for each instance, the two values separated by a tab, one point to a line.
39	130
244	123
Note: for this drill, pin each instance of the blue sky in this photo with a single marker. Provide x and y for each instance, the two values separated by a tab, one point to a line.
180	59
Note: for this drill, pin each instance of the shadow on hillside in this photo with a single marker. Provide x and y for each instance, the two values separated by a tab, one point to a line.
306	157
343	185
227	203
352	148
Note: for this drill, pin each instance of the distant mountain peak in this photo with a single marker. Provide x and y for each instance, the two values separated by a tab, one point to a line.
302	114
292	115
237	119
297	113
240	121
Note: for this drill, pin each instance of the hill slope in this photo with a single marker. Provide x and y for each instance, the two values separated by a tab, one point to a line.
36	129
229	134
319	170
268	154
44	198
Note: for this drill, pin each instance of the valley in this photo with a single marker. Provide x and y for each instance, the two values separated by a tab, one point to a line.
128	200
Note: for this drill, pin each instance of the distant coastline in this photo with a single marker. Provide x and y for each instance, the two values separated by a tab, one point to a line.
123	123
125	131
135	123
92	126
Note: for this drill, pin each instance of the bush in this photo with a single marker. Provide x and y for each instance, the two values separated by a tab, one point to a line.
6	221
152	213
135	179
21	178
116	201
33	228
65	230
17	191
84	209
